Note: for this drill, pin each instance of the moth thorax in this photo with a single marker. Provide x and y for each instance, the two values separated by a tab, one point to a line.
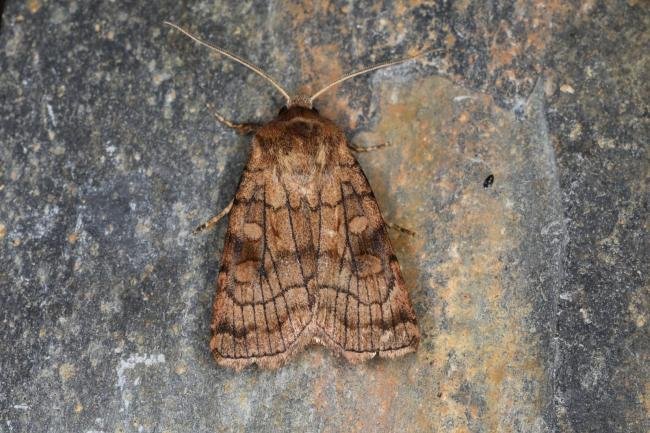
300	101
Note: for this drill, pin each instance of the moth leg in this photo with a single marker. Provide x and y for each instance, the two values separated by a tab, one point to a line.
214	220
356	148
242	128
400	229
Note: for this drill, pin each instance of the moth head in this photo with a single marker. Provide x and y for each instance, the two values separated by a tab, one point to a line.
297	100
301	101
295	110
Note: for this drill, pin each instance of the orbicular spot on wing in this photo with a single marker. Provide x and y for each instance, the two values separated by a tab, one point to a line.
358	224
246	272
252	231
368	265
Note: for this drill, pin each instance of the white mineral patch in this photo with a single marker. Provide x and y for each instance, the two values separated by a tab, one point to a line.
130	363
50	112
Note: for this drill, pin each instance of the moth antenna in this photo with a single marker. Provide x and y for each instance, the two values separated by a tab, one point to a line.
234	57
365	71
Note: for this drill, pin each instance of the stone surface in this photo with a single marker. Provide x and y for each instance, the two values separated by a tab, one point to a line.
532	292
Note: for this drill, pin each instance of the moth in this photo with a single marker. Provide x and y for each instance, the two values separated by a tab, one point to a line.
307	257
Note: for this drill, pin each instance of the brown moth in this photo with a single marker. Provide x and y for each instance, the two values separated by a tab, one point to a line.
307	258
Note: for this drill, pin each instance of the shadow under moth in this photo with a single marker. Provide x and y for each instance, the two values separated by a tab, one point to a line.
306	258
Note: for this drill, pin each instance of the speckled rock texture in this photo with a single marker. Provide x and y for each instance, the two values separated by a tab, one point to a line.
532	292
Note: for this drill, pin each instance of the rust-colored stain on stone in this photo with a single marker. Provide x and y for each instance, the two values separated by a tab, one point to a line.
34	6
322	67
476	354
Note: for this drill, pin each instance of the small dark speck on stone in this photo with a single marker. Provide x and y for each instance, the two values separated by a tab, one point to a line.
488	181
